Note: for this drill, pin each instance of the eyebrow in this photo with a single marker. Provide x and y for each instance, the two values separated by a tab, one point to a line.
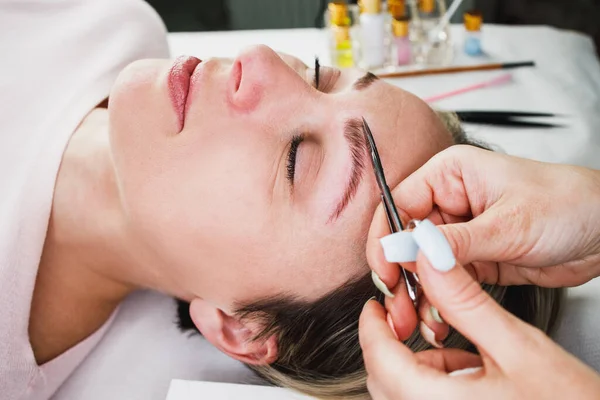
365	81
355	137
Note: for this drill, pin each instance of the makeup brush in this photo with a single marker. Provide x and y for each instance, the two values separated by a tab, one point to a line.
455	69
504	78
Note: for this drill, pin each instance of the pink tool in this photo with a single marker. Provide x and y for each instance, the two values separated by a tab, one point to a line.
493	82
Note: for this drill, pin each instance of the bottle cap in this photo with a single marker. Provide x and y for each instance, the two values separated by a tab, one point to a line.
338	13
400	27
370	6
397	8
426	6
473	20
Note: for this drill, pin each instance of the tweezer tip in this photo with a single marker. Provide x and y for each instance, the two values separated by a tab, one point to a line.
366	129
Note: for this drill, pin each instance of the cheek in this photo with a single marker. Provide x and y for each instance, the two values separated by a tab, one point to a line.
141	116
194	203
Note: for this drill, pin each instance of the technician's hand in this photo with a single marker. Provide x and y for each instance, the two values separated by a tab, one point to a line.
505	219
518	361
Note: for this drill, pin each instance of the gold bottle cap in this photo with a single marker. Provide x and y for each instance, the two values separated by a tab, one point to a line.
473	20
426	6
397	8
400	27
338	13
370	6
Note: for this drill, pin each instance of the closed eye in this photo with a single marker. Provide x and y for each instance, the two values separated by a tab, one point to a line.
324	78
317	72
291	158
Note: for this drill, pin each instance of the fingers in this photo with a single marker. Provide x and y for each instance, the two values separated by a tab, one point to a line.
389	273
448	360
395	372
433	321
401	311
437	183
462	302
400	308
383	354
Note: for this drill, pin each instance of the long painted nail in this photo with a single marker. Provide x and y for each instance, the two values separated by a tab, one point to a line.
435	246
435	314
380	285
429	335
391	324
367	302
466	371
399	247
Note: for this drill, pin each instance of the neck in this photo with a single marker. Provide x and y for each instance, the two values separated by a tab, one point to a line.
89	262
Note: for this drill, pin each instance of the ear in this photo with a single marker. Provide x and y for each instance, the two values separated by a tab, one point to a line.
231	335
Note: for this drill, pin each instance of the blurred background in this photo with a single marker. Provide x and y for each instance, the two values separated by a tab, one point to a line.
210	15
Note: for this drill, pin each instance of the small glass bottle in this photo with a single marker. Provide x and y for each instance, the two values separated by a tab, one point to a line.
402	46
431	47
373	34
473	21
342	54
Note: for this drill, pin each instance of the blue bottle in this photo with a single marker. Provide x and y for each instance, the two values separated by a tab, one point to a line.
473	21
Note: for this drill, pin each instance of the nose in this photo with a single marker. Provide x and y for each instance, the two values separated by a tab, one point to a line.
252	72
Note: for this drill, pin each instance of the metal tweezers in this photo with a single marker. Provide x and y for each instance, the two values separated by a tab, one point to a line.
506	118
412	281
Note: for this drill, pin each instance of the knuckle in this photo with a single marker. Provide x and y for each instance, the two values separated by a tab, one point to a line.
459	240
469	296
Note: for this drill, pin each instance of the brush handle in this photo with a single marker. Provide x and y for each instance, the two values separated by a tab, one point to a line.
496	81
456	69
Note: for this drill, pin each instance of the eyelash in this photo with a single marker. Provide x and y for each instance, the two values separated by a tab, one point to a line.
291	159
317	71
297	139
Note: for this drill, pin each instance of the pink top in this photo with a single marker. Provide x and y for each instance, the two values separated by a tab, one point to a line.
59	60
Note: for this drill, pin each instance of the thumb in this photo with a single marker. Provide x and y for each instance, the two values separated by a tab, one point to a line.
462	302
484	238
383	354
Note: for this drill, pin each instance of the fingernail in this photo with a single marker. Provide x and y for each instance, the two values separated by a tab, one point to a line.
380	285
434	245
465	371
399	247
429	335
391	324
435	314
367	302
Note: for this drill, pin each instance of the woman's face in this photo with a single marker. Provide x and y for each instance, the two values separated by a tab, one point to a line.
256	183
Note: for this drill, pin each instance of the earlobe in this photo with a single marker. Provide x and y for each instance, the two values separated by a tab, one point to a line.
231	335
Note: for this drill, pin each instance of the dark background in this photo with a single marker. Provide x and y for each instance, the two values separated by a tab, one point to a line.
206	15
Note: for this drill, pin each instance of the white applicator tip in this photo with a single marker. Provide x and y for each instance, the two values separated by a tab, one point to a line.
434	246
399	247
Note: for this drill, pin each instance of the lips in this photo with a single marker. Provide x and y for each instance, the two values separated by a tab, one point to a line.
179	84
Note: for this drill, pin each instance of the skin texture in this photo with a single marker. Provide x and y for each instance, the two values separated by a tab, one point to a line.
206	214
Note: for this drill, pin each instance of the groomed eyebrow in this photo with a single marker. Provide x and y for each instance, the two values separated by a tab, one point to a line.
355	137
365	81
